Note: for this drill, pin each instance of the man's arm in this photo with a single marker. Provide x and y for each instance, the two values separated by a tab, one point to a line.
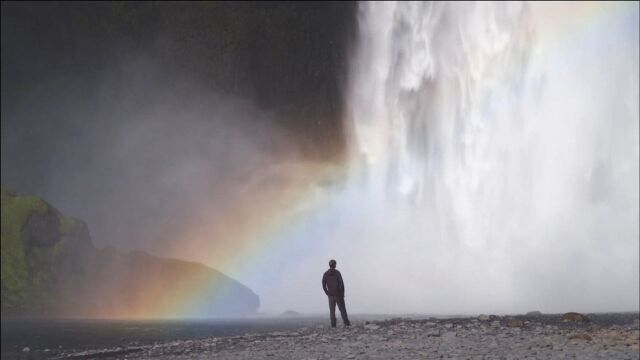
324	284
340	284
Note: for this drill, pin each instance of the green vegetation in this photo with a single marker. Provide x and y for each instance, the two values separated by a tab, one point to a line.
16	281
55	270
67	225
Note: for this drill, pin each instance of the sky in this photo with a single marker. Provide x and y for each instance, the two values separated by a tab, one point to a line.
473	157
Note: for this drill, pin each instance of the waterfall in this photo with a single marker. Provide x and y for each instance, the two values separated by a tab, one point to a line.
494	157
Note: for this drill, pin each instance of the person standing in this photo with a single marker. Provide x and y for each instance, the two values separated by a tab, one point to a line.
333	286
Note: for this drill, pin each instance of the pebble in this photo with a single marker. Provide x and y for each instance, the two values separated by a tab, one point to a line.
543	337
515	323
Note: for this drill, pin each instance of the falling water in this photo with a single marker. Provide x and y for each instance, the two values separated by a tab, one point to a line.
495	158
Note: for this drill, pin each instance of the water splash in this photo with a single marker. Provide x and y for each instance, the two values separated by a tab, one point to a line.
494	158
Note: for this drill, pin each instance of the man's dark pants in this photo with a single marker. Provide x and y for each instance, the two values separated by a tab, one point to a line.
333	300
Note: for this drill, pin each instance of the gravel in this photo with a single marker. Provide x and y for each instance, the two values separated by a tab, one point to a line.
603	336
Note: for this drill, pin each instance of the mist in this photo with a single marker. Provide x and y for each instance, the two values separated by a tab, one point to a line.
130	127
493	163
453	158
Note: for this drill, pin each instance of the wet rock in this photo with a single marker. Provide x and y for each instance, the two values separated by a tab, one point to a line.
546	337
26	349
574	317
449	335
483	317
515	323
371	327
580	336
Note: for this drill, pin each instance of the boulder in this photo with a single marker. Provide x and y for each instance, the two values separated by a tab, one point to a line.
580	336
515	323
574	317
371	327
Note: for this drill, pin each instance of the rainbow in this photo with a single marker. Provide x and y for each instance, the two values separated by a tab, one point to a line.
261	219
269	219
246	244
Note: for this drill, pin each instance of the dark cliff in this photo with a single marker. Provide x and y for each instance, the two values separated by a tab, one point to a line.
51	268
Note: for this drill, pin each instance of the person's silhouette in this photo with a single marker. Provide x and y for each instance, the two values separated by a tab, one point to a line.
333	286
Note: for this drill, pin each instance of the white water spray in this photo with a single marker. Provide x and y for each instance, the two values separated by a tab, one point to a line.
495	151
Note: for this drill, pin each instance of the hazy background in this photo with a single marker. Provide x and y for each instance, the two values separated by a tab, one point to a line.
394	139
132	116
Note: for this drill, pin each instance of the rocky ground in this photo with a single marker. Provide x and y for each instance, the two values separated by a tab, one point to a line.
595	336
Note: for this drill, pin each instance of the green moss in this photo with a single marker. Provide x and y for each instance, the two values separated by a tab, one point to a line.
40	292
67	225
15	211
59	248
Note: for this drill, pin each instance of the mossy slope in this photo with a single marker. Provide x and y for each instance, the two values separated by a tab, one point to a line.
51	268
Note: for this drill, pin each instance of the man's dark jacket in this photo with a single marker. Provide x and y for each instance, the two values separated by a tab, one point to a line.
332	283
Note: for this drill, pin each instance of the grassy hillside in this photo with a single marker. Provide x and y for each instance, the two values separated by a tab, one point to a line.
50	268
22	279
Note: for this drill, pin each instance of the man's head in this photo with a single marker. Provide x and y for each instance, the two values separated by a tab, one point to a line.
332	264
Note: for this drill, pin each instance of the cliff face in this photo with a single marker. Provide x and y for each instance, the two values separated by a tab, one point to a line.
51	268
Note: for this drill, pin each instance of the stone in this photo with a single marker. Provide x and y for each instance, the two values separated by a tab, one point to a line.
483	317
412	339
371	327
516	323
574	317
580	336
26	349
449	335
